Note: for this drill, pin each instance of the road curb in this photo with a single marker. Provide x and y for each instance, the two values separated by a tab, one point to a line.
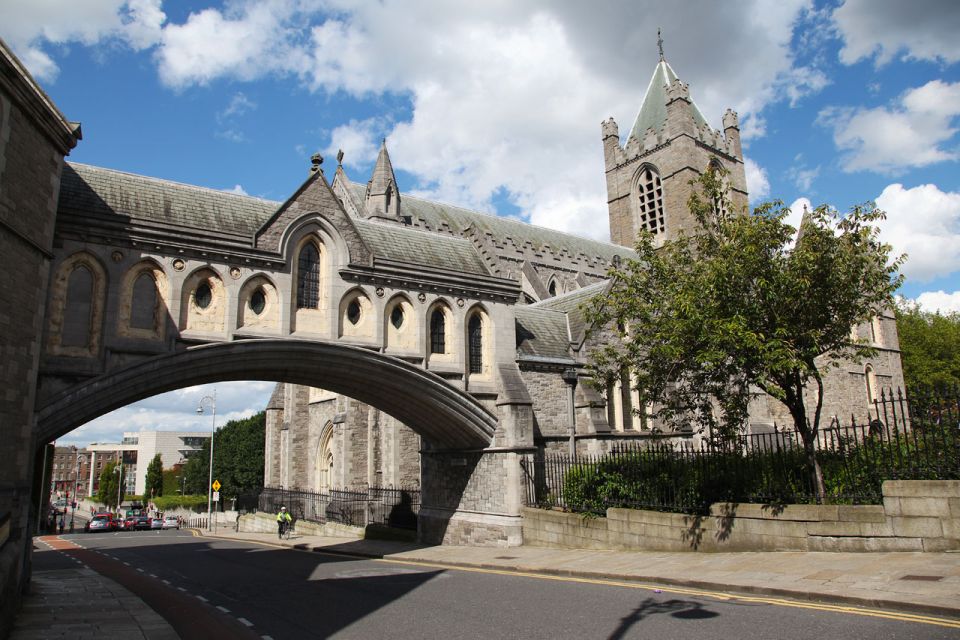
803	596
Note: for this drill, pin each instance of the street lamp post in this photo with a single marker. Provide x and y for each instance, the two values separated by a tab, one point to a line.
213	430
76	484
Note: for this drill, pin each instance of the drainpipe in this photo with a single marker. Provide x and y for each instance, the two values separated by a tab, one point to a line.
570	377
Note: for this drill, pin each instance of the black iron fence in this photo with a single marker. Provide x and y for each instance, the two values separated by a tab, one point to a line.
393	507
899	440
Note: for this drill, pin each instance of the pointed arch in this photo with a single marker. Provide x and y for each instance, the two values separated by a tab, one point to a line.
203	302
356	315
144	303
441	338
258	305
399	324
648	200
77	304
478	341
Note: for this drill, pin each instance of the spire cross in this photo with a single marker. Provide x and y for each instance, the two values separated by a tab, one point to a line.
660	44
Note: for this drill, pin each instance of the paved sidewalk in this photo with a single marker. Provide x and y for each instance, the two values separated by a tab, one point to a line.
78	602
907	581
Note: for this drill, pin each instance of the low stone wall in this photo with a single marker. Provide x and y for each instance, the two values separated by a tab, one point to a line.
914	516
267	523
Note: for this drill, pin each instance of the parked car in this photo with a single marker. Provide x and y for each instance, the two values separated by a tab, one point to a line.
142	523
101	522
171	522
156	523
129	523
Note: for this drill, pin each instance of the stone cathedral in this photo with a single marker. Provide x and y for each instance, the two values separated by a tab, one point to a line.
318	440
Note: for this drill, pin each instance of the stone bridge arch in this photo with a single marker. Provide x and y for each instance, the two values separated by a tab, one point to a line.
447	417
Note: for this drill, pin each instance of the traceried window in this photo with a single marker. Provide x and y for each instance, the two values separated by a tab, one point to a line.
308	277
438	332
475	332
721	199
650	202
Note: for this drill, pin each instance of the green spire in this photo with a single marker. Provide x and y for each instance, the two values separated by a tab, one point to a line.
653	110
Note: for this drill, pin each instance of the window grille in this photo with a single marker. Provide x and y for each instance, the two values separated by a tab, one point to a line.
308	278
650	202
438	331
475	329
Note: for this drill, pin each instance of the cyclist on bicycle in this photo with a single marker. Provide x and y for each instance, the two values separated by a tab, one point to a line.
283	521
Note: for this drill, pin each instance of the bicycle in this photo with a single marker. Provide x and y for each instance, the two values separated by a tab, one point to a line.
285	529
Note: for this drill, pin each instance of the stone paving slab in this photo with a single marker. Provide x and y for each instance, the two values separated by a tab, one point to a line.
80	603
906	581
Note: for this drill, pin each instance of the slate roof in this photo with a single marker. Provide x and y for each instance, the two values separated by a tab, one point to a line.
542	332
435	214
653	110
392	242
86	190
570	304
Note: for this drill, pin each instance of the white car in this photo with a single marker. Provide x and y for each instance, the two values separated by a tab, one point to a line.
171	522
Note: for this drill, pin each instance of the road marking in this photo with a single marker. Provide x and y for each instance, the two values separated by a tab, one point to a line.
245	621
265	638
202	599
153	575
140	570
870	613
127	563
222	608
181	589
167	582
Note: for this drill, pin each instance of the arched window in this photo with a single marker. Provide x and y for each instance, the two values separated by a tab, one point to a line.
389	197
475	339
876	330
308	277
872	392
650	202
438	332
720	198
553	288
79	305
143	312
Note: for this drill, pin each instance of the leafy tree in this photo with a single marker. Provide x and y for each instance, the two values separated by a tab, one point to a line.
706	319
930	348
238	458
154	481
109	485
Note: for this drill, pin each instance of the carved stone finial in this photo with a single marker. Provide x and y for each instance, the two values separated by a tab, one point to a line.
315	161
339	157
660	43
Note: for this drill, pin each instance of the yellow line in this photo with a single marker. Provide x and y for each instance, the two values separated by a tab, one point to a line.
716	595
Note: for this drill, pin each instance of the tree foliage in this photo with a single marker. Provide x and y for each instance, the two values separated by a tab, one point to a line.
704	320
109	485
154	480
929	348
238	458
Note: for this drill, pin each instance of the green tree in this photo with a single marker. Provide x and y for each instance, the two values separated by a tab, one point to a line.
707	318
238	458
930	348
109	485
154	481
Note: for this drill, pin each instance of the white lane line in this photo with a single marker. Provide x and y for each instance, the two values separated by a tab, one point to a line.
140	570
245	622
202	599
224	609
265	638
153	575
181	589
167	582
127	563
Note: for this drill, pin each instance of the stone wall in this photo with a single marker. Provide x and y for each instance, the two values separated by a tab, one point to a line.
914	516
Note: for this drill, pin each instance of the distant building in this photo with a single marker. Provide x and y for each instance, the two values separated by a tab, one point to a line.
137	450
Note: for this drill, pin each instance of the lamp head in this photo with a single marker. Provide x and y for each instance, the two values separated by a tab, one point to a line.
200	409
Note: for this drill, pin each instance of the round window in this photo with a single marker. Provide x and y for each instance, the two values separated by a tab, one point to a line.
353	311
203	295
258	301
396	317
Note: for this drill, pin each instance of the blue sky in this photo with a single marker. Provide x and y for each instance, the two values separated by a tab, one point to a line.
497	106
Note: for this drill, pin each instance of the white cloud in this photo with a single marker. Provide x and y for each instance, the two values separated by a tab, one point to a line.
802	175
501	94
358	139
29	25
238	190
939	301
239	105
911	133
758	185
923	222
922	29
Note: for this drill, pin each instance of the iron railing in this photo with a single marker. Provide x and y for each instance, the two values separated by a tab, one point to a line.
899	440
393	507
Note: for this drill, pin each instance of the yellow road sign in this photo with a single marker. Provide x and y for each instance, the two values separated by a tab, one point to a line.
216	485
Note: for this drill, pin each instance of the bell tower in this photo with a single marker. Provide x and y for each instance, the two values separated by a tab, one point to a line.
669	145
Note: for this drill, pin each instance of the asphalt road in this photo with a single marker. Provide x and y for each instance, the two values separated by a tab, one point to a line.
211	588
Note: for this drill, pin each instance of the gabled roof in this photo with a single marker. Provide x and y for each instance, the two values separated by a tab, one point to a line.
88	190
653	110
542	333
571	303
436	215
394	242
